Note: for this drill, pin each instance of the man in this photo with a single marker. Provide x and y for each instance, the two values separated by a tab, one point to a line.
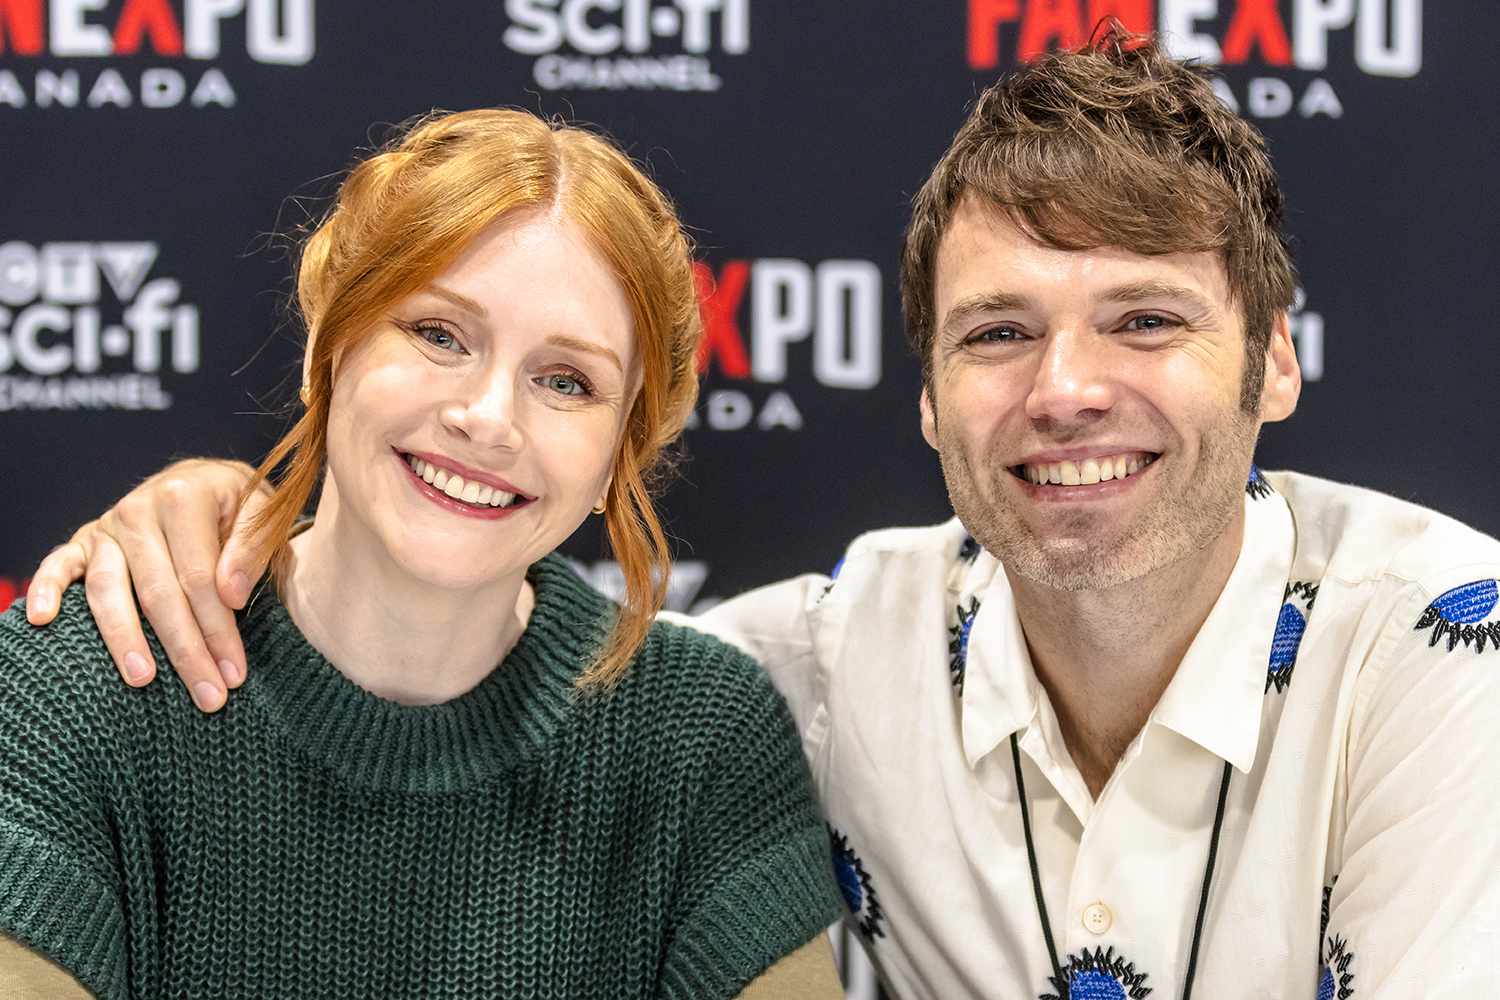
1140	719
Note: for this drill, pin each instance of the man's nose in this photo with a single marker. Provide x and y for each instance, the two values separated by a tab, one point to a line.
1073	376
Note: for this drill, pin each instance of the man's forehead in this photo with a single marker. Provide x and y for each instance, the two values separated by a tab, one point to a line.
984	251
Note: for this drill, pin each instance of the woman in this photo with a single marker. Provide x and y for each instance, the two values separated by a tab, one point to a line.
454	769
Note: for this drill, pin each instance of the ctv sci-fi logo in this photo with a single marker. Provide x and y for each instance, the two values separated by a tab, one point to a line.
1277	54
81	327
159	53
627	44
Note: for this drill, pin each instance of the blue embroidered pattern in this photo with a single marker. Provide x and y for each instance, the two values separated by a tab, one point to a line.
1100	975
1291	623
958	642
855	886
1459	614
1336	981
1257	486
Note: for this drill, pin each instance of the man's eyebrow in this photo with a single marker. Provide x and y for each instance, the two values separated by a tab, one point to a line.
985	302
577	344
462	301
1139	291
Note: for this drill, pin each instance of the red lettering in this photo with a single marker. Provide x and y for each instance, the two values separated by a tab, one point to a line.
148	17
10	590
1049	24
1136	15
1257	22
985	19
717	304
21	25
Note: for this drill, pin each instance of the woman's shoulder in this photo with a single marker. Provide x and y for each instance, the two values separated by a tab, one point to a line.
67	663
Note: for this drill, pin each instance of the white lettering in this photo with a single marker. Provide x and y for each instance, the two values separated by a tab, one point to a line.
1320	99
110	88
779	411
846	348
201	25
11	91
1269	97
1178	20
20	273
147	317
533	30
728	410
1311	22
583	36
289	45
781	294
162	88
57	88
73	36
1400	54
68	273
26	339
213	88
124	265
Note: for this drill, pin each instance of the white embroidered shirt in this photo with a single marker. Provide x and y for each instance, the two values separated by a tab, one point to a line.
1349	674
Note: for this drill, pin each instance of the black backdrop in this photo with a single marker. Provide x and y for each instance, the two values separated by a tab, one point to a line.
151	146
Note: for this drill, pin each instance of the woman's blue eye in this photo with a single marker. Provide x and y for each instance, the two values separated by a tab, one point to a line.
438	337
566	384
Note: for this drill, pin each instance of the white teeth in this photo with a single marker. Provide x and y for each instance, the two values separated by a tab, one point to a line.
478	494
1087	472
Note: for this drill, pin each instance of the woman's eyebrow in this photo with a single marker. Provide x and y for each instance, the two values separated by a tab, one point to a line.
462	301
577	344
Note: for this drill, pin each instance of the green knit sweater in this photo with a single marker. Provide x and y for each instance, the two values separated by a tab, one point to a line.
314	840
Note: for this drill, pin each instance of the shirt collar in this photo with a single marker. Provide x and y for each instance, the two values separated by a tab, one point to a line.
1215	697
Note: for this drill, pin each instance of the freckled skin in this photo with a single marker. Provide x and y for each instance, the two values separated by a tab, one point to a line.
1072	367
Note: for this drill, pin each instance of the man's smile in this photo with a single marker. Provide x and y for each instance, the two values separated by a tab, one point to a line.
1083	471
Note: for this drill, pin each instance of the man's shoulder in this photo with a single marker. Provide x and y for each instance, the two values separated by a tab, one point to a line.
1361	536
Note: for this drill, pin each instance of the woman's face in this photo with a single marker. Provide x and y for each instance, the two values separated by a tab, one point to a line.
475	427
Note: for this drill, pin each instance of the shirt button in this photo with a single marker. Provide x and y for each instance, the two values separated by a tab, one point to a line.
1097	919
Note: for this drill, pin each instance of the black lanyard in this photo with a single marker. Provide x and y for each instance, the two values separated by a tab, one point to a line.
1036	879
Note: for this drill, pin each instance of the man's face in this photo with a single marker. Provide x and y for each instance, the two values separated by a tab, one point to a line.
1086	404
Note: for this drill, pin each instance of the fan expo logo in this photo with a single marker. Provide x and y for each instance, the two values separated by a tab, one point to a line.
81	327
139	32
773	318
1287	42
627	44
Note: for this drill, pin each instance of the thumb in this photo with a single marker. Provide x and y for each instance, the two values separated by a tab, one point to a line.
239	564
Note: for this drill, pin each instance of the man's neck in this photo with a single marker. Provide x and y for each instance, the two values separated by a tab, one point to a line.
392	634
1105	656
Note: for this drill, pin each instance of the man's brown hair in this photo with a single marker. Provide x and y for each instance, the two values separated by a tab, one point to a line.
1113	144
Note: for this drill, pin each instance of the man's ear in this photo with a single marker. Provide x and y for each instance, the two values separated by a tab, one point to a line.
929	417
1282	385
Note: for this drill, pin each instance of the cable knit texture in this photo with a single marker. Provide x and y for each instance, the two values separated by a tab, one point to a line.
314	840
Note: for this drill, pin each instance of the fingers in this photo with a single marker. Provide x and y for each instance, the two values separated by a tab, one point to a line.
190	517
164	602
239	567
60	568
107	586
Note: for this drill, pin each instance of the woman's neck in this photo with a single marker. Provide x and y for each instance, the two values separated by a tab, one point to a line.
392	634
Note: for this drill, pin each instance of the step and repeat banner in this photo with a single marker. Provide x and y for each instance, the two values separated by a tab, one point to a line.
159	153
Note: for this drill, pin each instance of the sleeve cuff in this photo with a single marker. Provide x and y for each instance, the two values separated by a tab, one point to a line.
766	909
57	906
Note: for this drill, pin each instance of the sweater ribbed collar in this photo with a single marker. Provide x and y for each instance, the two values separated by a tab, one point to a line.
374	743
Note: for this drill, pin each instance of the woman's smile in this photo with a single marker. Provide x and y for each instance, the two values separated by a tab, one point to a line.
453	492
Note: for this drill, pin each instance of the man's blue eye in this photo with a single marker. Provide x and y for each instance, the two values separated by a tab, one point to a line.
1148	322
995	335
